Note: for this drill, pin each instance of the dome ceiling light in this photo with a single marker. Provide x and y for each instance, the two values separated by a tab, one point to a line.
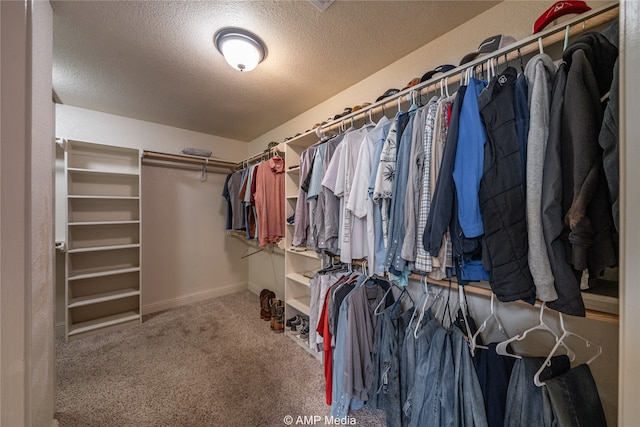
241	49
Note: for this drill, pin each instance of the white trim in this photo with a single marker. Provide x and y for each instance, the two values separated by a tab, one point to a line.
194	297
629	362
256	289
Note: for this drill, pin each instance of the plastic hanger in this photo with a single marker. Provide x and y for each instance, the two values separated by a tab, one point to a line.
565	334
501	348
566	37
423	295
483	326
540	47
436	298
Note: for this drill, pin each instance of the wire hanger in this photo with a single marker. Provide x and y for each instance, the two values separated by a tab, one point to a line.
565	334
501	348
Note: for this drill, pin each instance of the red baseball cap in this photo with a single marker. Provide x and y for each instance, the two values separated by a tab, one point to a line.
559	8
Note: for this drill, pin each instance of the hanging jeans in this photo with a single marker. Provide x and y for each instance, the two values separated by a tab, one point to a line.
575	400
437	406
528	404
389	381
469	403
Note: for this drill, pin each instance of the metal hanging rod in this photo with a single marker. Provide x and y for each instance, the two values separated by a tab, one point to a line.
186	159
522	47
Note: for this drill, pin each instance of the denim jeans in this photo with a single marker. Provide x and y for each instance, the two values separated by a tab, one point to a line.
528	404
494	372
393	334
469	404
575	400
436	407
417	393
408	357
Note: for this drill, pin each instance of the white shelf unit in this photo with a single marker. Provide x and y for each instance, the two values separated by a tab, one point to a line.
297	263
103	238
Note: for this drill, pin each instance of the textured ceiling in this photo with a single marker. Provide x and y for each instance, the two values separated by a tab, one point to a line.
155	60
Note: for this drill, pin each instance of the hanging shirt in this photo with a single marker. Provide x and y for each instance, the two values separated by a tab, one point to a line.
469	163
385	175
328	217
301	216
394	262
360	202
269	200
353	230
234	184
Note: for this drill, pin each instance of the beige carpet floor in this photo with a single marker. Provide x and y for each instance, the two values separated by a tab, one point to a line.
212	363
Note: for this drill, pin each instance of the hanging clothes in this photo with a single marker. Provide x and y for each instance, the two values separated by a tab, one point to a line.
501	195
269	200
540	71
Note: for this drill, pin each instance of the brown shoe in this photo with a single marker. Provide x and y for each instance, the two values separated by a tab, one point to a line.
277	315
265	309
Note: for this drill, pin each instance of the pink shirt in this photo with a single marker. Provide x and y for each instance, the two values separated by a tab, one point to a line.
269	200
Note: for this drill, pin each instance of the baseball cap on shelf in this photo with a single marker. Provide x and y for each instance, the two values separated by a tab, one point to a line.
413	82
559	8
489	45
388	93
439	69
360	107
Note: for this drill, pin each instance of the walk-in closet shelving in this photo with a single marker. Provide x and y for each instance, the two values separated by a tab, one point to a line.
102	237
298	262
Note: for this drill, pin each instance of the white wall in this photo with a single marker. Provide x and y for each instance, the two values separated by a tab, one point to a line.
186	254
26	215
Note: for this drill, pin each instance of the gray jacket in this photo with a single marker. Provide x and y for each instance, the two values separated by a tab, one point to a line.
539	72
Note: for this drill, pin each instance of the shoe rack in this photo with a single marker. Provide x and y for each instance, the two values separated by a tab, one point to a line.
299	264
102	238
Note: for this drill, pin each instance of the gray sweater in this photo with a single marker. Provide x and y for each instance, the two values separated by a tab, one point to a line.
539	73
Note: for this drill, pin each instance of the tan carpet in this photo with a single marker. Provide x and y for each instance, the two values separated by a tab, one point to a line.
213	363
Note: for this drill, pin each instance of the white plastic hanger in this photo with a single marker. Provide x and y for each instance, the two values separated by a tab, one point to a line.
492	315
565	334
424	308
501	348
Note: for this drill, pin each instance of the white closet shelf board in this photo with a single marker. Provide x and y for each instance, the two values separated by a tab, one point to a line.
103	322
292	197
294	171
301	304
78	196
304	344
107	296
90	275
104	248
297	277
305	253
102	172
80	224
305	140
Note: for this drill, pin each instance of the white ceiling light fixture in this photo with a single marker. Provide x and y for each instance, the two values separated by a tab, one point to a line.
241	49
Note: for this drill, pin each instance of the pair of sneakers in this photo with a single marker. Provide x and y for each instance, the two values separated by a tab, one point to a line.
299	325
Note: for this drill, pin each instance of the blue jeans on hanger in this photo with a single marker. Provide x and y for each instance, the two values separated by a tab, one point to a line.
437	405
389	348
575	400
528	404
469	409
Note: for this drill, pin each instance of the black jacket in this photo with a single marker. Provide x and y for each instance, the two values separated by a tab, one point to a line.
502	200
586	205
567	286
